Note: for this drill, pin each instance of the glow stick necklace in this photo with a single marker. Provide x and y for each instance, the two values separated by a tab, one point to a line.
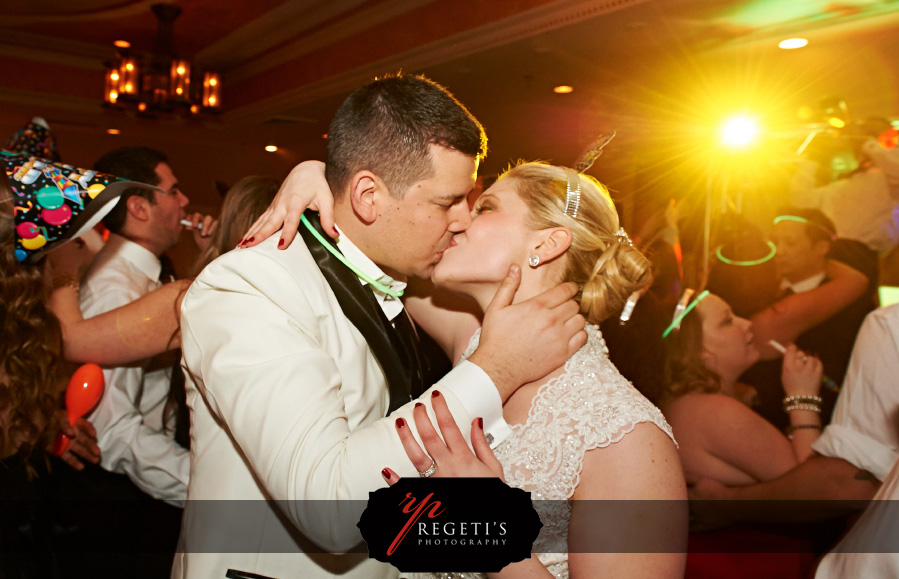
747	262
365	277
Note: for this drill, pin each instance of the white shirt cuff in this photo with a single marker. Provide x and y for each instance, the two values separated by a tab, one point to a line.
476	392
859	450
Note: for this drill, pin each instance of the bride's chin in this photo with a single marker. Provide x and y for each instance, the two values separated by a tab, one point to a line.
441	278
437	275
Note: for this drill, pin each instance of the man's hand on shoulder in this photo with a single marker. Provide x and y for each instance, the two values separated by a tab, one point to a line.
526	341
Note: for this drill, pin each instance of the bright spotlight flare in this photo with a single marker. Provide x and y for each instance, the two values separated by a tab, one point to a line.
792	43
739	131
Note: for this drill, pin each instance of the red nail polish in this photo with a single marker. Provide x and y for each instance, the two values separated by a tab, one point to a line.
250	240
435	394
400	423
480	423
280	242
242	241
385	473
417	404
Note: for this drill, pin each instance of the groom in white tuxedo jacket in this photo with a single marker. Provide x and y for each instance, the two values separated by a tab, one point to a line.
294	359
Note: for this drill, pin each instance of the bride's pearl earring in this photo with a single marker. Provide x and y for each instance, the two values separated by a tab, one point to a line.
534	260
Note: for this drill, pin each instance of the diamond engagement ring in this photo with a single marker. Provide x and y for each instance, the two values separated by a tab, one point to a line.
431	470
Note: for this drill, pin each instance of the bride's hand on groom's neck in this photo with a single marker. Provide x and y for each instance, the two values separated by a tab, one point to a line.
523	342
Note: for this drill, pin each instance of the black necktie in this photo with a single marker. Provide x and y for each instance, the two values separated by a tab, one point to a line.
177	392
408	336
427	361
408	352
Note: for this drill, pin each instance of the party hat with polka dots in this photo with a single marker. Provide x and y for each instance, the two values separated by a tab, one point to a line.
54	202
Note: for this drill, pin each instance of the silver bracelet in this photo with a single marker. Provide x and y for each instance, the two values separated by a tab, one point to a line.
803	398
802	406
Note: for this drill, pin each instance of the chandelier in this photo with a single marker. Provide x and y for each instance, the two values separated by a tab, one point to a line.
165	85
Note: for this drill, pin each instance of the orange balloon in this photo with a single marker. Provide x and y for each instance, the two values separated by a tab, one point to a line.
889	139
84	391
82	394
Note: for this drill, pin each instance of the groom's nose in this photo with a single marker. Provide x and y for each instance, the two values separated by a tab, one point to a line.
460	217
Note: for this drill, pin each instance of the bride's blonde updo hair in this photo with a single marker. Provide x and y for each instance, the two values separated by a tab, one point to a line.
607	268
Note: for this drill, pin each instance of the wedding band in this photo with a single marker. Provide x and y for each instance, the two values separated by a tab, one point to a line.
431	470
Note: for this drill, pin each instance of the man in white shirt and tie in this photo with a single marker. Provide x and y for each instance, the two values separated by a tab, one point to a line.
139	457
129	418
293	358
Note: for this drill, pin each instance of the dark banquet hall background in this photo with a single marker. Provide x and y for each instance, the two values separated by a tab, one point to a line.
732	119
666	75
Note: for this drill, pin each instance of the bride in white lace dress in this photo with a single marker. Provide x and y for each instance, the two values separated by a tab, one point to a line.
582	432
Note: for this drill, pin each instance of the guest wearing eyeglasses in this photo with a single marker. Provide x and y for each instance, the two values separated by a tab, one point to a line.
143	225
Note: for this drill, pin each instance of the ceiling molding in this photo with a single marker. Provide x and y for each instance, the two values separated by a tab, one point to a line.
133	8
48	101
51	57
49	49
543	19
277	26
354	23
835	28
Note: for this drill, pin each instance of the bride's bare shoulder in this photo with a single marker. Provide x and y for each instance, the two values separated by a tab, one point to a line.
644	464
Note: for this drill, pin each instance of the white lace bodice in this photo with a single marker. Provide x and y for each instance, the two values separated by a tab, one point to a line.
590	405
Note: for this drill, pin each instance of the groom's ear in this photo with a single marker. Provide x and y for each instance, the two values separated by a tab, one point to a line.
365	190
552	243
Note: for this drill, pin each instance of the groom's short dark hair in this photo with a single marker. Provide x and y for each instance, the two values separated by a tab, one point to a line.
386	127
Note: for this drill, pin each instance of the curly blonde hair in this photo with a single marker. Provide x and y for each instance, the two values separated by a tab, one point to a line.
30	353
607	269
